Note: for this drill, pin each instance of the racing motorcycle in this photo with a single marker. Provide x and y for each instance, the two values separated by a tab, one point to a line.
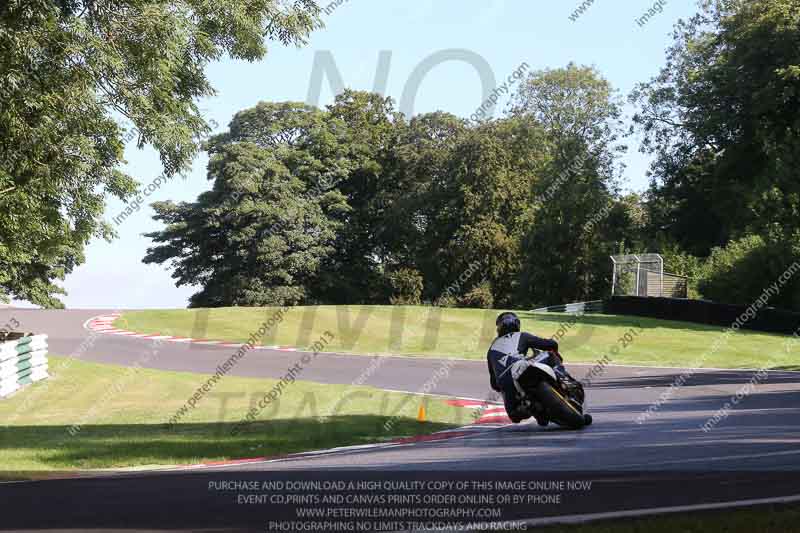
550	391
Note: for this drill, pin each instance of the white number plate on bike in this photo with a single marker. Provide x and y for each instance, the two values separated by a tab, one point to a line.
518	368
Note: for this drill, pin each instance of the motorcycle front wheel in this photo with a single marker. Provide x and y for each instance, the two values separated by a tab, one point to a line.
558	408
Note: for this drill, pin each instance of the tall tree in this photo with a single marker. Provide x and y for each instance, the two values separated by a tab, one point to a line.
366	127
70	72
723	120
261	234
455	206
495	167
419	195
580	115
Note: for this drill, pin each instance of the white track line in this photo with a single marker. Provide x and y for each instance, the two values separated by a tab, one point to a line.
583	518
103	324
709	459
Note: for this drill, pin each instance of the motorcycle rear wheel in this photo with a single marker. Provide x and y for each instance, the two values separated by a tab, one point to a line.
558	408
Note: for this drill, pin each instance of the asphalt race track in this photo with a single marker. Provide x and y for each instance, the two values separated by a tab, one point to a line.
665	461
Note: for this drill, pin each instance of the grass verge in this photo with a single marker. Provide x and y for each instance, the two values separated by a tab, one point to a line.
466	333
121	413
772	519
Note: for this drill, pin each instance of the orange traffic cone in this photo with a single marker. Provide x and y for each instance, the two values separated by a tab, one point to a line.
421	413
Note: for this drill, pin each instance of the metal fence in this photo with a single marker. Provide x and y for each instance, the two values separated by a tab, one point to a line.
594	306
643	275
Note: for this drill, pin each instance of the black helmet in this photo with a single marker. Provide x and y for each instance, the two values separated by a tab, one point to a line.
506	323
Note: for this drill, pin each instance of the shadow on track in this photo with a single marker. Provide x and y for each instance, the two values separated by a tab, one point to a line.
119	445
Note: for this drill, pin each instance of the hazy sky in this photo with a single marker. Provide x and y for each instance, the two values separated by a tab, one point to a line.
503	34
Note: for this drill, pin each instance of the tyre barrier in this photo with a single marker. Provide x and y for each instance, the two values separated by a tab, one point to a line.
22	362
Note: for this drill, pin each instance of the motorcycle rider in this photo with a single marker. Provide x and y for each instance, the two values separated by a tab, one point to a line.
510	346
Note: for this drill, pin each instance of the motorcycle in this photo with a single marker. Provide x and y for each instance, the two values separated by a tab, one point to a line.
549	393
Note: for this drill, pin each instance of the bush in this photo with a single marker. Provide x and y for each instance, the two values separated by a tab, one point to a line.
741	271
479	296
681	263
446	301
406	285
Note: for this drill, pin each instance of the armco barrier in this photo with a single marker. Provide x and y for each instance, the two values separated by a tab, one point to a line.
22	361
767	319
595	306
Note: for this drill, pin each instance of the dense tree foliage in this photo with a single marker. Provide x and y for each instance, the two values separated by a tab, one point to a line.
723	121
741	271
261	233
526	209
71	73
389	210
580	117
357	203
